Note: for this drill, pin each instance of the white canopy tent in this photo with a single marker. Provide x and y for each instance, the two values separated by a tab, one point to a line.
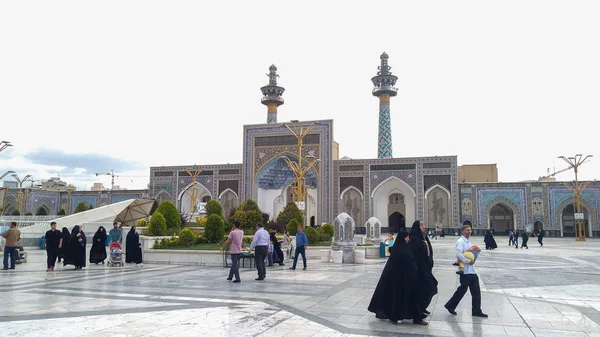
126	212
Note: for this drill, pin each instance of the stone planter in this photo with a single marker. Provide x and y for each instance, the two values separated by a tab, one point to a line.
325	255
372	252
336	256
359	256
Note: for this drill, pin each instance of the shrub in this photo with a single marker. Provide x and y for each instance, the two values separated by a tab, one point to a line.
311	235
291	211
154	207
292	226
187	237
213	207
324	237
158	225
61	212
171	215
228	226
246	242
156	244
201	239
250	231
41	211
141	223
81	207
327	228
214	229
201	221
28	213
15	212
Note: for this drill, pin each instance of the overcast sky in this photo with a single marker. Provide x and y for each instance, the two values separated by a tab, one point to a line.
87	87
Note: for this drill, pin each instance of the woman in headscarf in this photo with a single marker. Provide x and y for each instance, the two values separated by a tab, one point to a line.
98	251
541	237
277	254
76	251
394	298
490	242
524	239
426	282
133	248
66	236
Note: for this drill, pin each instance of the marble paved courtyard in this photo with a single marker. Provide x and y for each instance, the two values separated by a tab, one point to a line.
544	291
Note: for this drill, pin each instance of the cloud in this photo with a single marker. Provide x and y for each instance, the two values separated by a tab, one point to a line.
90	162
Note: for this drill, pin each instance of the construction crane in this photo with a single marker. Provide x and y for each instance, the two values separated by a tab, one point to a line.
550	175
113	176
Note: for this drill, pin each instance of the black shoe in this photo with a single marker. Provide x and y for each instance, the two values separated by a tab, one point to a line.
237	281
259	279
450	310
292	268
481	314
304	268
426	312
460	272
229	279
456	264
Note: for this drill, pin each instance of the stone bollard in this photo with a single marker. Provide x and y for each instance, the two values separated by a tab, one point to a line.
325	255
336	256
359	256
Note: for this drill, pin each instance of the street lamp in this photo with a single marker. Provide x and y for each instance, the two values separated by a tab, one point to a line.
7	173
577	190
20	196
4	144
300	168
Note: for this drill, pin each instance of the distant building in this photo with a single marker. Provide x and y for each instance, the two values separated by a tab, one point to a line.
98	187
55	184
10	184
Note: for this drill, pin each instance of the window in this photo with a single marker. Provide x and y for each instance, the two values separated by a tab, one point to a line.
396	198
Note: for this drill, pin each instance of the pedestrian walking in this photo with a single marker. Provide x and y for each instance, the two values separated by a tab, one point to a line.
235	237
468	279
301	244
541	237
12	236
260	244
53	242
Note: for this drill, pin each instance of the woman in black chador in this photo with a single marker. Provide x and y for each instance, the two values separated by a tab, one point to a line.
66	236
75	254
277	254
524	239
490	242
394	297
541	237
133	248
426	282
98	251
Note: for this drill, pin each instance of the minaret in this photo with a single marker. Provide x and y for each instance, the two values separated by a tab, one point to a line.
384	89
272	95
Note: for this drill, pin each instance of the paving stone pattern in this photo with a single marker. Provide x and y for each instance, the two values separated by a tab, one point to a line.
543	291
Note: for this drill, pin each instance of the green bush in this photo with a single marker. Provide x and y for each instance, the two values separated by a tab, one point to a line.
171	215
213	207
62	212
327	228
248	214
324	237
214	229
291	211
228	226
156	244
141	223
187	237
250	231
311	235
15	212
81	207
154	206
158	225
292	226
201	239
246	242
28	213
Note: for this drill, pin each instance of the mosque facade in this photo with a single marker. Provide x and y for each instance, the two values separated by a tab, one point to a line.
397	191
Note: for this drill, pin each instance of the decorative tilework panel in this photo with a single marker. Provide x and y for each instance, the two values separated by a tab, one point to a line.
409	177
37	199
557	195
122	197
384	143
486	195
89	199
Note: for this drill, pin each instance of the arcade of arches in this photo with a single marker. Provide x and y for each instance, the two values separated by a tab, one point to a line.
502	219
568	221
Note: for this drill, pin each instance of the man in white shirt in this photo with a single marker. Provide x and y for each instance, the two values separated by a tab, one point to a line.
467	280
260	243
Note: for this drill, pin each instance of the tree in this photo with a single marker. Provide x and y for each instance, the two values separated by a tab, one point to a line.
214	229
62	212
154	207
248	214
292	227
41	211
291	211
311	235
213	207
158	225
171	215
81	207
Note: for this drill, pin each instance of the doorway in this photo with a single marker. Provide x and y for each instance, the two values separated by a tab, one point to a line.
396	222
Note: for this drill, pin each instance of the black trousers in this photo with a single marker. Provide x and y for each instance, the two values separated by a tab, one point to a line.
52	255
470	281
235	267
260	254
